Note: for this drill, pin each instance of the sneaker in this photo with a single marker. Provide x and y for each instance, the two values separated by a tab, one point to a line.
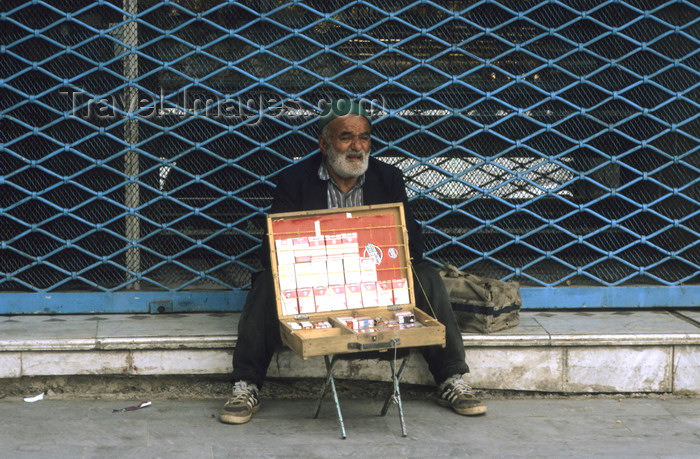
243	403
457	394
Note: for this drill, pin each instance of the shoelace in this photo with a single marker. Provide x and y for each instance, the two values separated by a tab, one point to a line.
242	395
457	389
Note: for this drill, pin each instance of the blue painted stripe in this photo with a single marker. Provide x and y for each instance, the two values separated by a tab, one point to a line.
120	302
232	301
611	297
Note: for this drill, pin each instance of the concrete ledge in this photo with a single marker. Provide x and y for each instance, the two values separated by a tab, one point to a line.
550	351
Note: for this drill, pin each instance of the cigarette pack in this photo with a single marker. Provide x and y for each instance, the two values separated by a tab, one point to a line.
357	323
351	265
304	274
401	294
322	298
306	300
387	325
319	276
335	270
353	296
287	277
348	321
302	253
338	299
317	248
385	293
364	322
369	294
285	251
334	245
405	317
368	269
290	305
350	244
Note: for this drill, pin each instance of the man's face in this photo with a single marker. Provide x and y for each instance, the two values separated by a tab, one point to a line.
348	145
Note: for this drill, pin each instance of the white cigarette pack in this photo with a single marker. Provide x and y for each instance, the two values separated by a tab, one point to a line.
385	293
304	274
319	276
306	300
353	296
287	277
353	274
338	299
302	252
290	306
322	298
317	248
401	295
369	294
368	270
285	251
335	269
350	245
348	321
334	245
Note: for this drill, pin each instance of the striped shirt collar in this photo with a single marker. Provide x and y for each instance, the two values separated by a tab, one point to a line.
336	197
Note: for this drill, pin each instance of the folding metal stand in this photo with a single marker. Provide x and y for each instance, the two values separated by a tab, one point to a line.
394	397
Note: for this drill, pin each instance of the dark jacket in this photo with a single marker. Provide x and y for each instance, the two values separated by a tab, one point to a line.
299	188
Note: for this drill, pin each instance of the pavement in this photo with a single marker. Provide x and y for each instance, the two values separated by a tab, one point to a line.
574	426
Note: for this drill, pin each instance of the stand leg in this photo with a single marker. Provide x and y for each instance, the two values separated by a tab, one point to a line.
396	396
330	381
329	374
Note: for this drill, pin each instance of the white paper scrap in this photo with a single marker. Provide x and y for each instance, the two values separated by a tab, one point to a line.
34	399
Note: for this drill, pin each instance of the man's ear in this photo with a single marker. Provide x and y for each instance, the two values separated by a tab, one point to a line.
322	144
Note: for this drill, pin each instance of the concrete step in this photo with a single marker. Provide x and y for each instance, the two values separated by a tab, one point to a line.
557	351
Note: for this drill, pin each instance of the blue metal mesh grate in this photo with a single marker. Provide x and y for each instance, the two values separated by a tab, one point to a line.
551	142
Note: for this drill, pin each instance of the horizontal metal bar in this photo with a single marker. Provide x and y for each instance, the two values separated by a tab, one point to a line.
611	297
120	302
232	301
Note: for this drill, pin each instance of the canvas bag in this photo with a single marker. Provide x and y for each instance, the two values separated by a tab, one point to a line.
480	304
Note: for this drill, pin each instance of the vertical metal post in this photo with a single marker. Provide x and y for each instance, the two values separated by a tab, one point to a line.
129	37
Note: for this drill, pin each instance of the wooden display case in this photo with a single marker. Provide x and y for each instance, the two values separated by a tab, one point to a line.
343	282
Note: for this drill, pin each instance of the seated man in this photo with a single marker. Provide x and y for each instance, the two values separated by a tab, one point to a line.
343	175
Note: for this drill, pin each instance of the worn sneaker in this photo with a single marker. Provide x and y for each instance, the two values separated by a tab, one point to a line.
243	403
457	394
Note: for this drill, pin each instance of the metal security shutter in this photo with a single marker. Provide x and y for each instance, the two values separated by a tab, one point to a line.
550	142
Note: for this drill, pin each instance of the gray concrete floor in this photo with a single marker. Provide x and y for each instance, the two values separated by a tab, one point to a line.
531	427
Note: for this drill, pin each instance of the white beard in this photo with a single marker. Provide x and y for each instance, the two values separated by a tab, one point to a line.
338	162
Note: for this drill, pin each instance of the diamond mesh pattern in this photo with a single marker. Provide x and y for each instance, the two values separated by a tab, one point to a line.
551	142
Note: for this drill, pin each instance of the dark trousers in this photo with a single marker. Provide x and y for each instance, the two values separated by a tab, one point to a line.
259	335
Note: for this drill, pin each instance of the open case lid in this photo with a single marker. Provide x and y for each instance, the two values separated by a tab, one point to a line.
303	244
